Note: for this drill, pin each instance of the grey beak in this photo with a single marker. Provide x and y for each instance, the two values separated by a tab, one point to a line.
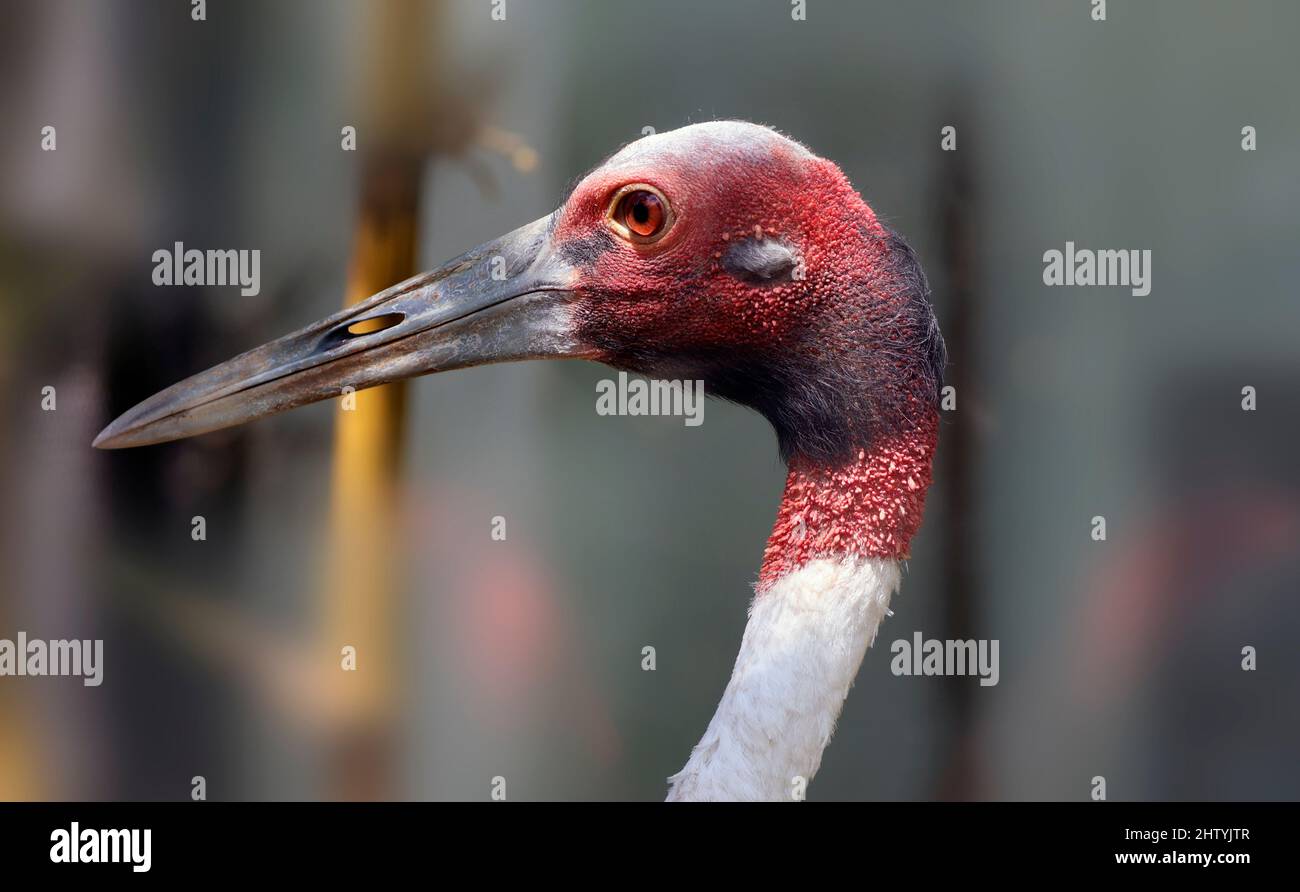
505	300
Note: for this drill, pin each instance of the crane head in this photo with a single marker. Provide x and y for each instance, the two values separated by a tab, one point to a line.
721	251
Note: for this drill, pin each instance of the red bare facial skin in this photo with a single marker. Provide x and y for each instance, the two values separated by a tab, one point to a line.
676	294
870	507
844	308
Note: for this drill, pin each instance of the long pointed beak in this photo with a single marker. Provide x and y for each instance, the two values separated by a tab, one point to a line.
506	300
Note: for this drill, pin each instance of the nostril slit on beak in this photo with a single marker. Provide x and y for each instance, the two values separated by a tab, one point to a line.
371	325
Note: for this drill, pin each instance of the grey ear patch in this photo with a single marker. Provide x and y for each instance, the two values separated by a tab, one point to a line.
760	260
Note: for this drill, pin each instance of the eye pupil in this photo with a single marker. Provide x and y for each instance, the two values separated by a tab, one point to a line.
640	213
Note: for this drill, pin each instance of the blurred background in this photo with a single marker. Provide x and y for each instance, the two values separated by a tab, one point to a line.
522	658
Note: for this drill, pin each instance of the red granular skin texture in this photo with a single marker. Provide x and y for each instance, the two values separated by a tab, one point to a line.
869	507
677	295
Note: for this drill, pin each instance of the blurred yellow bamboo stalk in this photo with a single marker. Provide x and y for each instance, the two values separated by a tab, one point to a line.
362	585
21	766
361	575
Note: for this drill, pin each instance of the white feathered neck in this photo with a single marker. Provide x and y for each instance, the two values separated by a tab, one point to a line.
803	644
829	569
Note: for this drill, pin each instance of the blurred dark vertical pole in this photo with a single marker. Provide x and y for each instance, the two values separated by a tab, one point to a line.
363	585
957	211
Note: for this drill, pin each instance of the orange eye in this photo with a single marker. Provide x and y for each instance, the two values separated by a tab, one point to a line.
640	214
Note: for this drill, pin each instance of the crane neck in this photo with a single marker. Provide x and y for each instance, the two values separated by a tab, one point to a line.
829	570
802	647
868	506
